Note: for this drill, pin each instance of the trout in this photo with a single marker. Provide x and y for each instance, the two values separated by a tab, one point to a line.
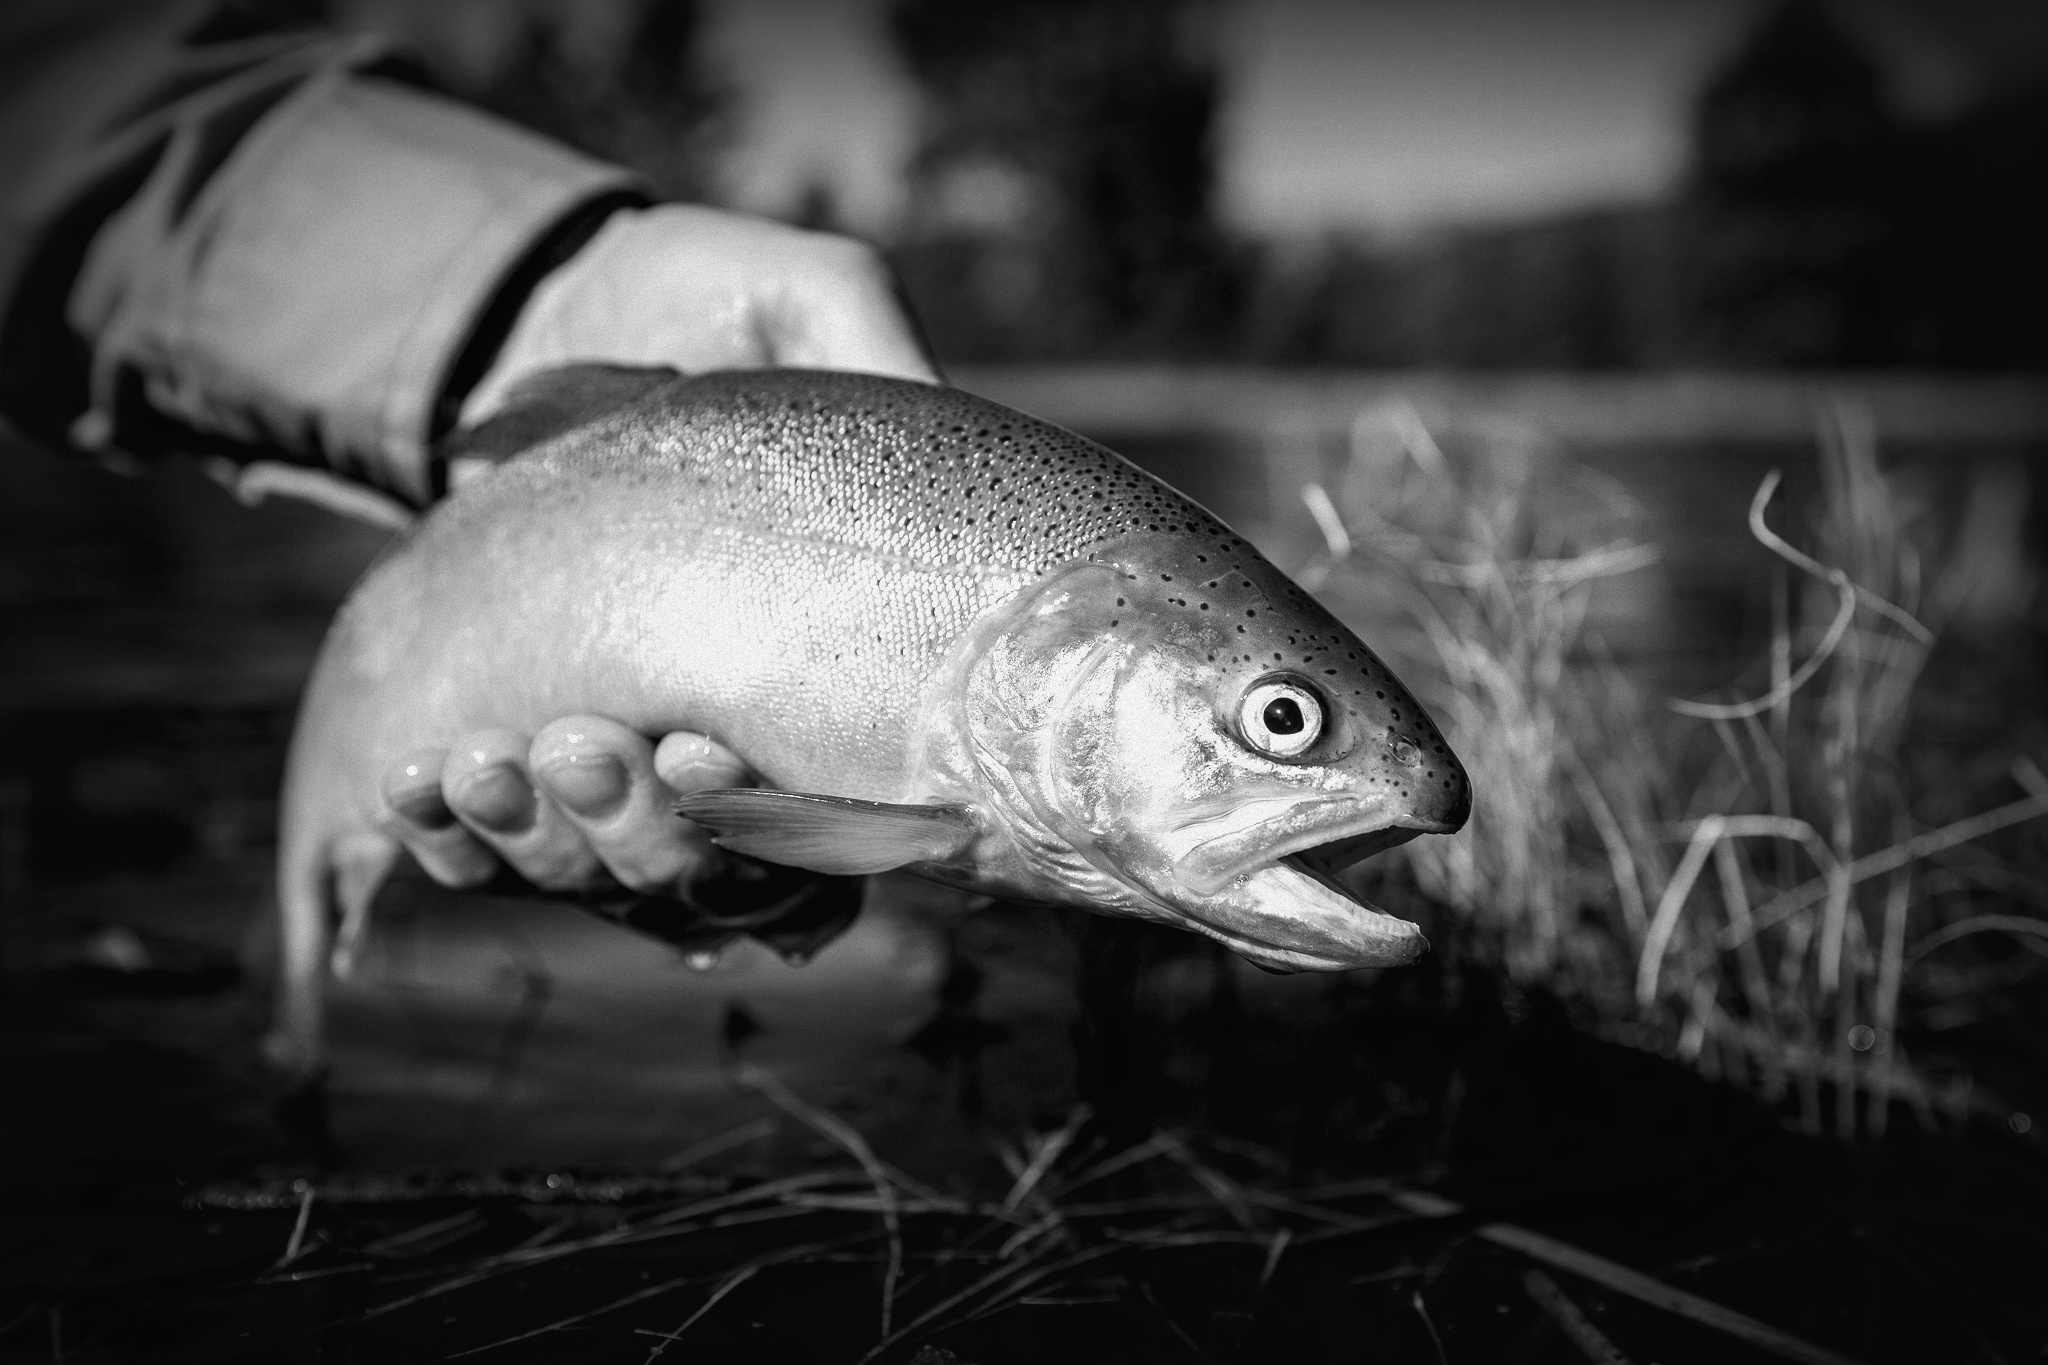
950	638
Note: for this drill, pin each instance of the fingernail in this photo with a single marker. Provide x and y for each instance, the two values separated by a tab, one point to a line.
703	775
687	763
423	806
498	798
592	785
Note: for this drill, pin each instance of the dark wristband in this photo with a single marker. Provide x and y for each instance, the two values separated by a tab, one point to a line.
477	353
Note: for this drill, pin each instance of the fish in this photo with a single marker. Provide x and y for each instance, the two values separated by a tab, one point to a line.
950	638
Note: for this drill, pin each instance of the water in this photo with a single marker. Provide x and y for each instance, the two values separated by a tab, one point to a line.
484	1033
130	1106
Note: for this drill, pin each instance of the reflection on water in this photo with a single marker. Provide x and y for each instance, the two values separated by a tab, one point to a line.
483	1032
493	1033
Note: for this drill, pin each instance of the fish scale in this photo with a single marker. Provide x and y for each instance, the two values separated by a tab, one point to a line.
938	476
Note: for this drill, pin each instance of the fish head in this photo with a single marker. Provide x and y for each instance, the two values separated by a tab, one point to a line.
1176	730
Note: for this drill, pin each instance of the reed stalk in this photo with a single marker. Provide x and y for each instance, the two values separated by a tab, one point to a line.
1605	825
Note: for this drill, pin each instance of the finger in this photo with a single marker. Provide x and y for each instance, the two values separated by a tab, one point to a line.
603	777
486	784
688	762
839	307
416	814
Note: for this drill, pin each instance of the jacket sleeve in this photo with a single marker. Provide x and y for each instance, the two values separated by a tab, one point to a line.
263	241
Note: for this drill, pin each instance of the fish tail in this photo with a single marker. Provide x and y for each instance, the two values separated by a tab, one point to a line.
304	908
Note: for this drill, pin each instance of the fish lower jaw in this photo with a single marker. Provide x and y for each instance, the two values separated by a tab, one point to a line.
1402	939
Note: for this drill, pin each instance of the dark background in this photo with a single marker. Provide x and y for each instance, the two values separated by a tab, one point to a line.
1063	194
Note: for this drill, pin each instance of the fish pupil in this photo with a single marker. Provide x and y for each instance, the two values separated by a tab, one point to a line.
1283	716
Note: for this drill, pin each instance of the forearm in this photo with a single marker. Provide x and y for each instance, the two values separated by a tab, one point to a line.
295	257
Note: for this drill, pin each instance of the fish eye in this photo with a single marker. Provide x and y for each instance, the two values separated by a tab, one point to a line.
1280	718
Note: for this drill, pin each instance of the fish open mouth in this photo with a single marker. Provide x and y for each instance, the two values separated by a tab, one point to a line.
1263	877
1294	913
1325	837
1325	860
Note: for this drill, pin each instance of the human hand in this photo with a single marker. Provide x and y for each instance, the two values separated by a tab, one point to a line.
694	289
584	800
701	289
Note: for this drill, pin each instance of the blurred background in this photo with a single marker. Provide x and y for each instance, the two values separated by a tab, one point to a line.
1576	186
1488	321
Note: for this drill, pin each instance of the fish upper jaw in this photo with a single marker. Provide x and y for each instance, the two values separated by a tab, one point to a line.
1211	853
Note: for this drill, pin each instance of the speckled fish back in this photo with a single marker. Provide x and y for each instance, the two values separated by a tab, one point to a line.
932	475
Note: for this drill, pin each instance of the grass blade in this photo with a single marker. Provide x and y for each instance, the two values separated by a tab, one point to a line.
1644	1289
766	1083
1577	1327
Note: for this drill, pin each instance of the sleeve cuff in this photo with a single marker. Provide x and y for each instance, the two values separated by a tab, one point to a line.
317	292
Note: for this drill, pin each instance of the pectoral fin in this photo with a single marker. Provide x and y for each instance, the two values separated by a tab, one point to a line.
834	834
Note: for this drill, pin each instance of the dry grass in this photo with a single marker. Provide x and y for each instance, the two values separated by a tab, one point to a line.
1075	1225
1748	882
945	1260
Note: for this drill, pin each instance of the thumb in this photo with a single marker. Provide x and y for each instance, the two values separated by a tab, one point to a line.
843	309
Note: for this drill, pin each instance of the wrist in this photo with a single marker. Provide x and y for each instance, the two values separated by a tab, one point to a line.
499	348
